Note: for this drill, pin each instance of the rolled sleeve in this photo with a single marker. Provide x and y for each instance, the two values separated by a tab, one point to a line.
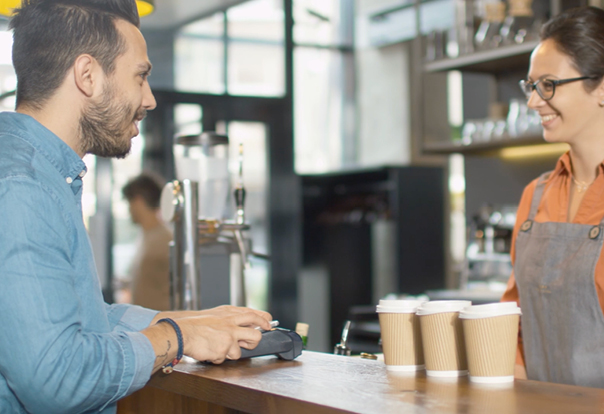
142	354
124	317
137	352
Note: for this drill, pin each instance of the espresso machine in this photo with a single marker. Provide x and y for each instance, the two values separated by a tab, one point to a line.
487	261
209	253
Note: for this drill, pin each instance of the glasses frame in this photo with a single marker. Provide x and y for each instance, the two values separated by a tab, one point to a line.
555	82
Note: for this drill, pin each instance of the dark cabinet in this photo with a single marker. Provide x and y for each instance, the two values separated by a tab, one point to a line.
340	213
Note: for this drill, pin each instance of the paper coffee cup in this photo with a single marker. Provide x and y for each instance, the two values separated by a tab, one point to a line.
491	335
401	337
442	338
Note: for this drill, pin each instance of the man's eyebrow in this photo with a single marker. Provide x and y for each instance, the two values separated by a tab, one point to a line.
145	67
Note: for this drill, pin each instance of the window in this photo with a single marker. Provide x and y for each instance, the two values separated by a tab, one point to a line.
320	22
323	86
8	79
238	52
241	52
318	109
199	56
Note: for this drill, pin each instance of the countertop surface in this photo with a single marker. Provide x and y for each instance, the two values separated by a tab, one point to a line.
325	383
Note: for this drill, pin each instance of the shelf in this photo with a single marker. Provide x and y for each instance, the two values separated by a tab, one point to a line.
477	296
476	147
495	60
489	257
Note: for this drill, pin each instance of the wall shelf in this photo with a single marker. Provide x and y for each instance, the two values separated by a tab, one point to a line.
496	60
449	147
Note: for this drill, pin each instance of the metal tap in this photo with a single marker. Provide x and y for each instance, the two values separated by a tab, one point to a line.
179	205
240	216
240	191
342	348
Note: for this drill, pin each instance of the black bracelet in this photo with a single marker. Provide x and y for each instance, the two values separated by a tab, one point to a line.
169	367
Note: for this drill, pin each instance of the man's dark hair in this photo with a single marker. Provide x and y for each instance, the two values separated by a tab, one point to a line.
50	34
148	186
579	33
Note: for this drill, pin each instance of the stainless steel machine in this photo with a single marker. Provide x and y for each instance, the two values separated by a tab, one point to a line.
209	253
488	260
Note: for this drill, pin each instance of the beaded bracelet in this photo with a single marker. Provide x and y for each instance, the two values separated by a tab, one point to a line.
169	367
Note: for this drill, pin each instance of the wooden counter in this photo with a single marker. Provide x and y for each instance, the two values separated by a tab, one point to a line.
325	383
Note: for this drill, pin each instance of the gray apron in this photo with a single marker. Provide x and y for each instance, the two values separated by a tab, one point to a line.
562	321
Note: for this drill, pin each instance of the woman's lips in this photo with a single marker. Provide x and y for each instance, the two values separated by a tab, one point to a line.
548	119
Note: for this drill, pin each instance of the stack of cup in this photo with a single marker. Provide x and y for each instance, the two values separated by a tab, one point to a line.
491	336
442	337
401	338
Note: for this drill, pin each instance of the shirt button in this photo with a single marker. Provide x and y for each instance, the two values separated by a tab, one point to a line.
82	174
69	180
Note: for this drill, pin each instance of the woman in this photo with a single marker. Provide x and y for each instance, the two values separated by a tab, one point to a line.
558	274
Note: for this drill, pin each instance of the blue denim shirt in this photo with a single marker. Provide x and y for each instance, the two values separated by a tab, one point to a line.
62	349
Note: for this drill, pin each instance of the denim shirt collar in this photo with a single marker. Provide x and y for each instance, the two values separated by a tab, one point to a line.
67	162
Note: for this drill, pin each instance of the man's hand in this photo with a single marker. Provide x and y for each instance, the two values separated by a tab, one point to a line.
219	311
210	335
214	339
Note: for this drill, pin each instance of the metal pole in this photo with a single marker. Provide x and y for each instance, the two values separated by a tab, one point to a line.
190	252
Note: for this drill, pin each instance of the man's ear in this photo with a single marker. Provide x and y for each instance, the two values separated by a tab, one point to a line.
87	74
600	93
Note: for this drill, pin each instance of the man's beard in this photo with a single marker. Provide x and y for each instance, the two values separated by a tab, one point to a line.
104	127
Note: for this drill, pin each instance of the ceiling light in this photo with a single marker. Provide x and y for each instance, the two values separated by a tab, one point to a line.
7	6
144	7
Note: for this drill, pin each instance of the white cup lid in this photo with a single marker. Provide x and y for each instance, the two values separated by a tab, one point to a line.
399	306
442	306
490	310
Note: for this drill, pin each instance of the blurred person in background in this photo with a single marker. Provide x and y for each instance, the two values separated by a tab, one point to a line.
151	265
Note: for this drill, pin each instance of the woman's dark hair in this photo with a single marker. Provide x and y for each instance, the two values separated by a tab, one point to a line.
50	34
579	33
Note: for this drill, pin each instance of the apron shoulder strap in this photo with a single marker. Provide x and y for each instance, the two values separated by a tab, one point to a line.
538	194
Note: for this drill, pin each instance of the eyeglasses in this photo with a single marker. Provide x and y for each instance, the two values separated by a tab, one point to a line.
546	87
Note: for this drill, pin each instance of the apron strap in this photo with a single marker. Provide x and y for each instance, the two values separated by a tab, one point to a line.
595	231
537	195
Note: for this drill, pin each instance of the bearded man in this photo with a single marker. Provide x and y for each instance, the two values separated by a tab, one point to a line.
82	71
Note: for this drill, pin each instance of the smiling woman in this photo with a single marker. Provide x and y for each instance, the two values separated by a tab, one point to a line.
558	275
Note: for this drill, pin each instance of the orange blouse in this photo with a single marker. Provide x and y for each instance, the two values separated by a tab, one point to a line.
554	207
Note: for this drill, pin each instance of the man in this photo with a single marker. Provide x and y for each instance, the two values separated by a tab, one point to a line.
82	70
151	265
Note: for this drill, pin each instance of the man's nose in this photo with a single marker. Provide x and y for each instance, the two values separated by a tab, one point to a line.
149	102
